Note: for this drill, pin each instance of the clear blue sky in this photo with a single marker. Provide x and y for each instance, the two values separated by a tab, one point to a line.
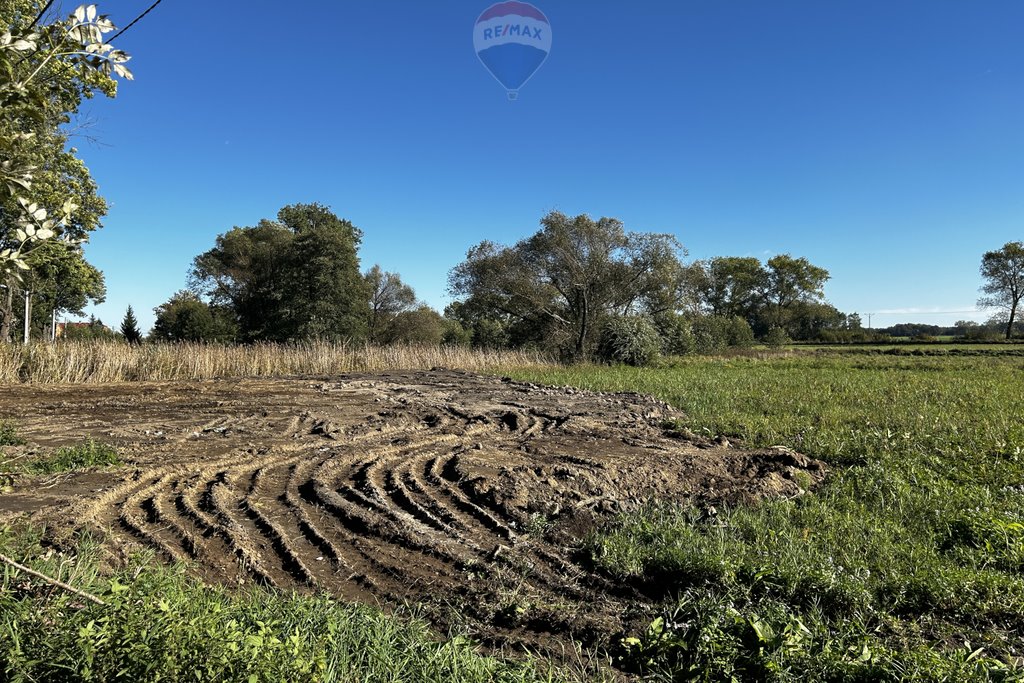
882	140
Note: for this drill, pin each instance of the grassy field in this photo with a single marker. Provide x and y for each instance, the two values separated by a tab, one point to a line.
908	564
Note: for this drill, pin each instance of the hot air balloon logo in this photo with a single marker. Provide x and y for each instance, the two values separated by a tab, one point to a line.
512	39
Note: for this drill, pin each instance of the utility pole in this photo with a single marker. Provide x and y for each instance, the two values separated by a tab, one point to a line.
28	312
869	320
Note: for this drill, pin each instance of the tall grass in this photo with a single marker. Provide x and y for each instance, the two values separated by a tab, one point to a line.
97	362
159	624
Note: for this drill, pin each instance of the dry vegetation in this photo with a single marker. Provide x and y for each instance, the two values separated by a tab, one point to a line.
118	362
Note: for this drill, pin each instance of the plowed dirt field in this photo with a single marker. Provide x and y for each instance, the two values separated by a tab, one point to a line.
467	494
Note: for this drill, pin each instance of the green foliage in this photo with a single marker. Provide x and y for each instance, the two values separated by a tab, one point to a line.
93	330
160	624
777	337
739	332
676	333
130	328
9	434
185	318
287	280
47	70
711	334
455	334
908	564
1003	273
89	453
629	339
555	288
422	326
389	297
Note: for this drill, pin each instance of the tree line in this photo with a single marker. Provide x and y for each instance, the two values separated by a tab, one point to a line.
579	288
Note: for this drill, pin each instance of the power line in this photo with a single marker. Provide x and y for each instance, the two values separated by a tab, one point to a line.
40	15
135	21
922	312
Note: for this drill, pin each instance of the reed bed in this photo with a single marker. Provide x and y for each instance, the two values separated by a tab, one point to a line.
99	362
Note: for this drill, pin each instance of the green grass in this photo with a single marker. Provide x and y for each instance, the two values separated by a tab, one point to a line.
89	453
9	435
908	564
160	624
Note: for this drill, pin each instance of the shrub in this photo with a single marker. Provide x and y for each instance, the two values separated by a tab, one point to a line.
739	332
711	334
9	435
777	337
676	334
629	339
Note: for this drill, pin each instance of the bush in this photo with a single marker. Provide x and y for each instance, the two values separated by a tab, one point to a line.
777	337
740	333
455	334
676	334
422	325
629	339
711	334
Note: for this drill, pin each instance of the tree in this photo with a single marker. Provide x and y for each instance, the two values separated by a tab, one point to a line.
46	70
185	317
791	281
59	281
389	297
734	286
294	278
1003	272
557	286
421	325
130	328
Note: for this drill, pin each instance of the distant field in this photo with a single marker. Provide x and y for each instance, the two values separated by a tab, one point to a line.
939	346
907	564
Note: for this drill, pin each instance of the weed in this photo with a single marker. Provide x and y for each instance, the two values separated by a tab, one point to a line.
9	435
160	624
89	453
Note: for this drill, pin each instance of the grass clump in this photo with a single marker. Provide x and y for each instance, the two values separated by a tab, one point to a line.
9	435
160	624
89	453
907	564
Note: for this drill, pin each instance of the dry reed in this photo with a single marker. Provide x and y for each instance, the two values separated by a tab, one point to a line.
98	362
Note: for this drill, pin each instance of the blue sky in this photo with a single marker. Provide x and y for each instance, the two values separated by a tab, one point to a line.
882	140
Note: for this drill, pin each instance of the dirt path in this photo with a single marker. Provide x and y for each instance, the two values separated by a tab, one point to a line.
468	494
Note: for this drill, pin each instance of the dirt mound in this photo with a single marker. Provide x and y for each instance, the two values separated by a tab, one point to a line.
468	494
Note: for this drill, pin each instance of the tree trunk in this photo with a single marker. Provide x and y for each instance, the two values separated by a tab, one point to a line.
581	340
28	314
1009	325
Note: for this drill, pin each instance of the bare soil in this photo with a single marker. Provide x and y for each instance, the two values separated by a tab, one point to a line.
470	495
